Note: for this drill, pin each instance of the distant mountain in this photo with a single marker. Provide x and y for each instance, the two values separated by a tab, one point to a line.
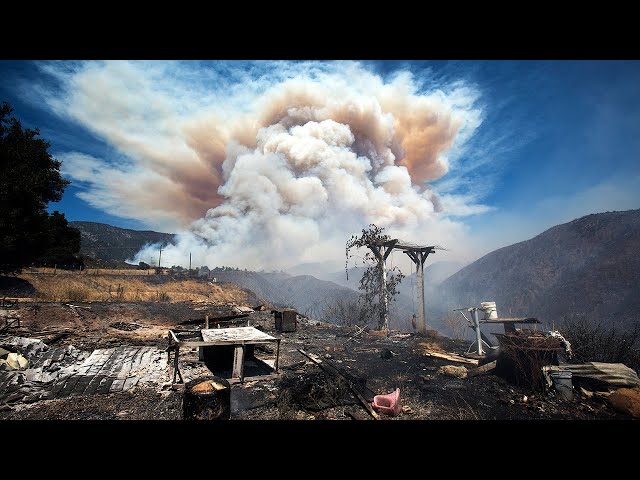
588	267
316	269
105	242
340	277
305	293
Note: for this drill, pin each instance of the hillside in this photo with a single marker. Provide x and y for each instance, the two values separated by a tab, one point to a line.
305	293
588	267
105	242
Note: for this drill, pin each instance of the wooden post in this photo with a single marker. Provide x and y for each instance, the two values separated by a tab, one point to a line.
176	352
238	363
383	294
422	320
277	355
418	257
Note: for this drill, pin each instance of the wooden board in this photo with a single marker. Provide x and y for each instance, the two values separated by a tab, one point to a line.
511	320
222	336
451	357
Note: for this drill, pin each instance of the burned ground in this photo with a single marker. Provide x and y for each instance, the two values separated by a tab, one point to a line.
376	364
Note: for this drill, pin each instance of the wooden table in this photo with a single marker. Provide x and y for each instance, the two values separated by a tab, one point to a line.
238	337
510	323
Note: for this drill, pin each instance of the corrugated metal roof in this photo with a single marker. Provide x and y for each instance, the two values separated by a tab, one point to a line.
615	374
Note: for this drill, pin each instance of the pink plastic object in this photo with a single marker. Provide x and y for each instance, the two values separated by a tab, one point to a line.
387	404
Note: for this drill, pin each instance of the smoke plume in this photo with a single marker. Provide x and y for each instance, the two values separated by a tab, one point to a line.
267	165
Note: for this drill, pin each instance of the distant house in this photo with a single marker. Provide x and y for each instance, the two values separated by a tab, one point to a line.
204	272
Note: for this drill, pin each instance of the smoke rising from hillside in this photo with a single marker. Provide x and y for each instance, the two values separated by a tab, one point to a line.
275	169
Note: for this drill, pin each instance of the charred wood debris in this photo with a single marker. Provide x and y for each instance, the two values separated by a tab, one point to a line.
326	372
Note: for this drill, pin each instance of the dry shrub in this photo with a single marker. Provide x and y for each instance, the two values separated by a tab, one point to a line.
163	297
64	290
76	293
136	295
599	341
455	324
348	312
101	288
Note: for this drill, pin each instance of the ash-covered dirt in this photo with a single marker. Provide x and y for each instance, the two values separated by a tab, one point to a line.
375	364
141	404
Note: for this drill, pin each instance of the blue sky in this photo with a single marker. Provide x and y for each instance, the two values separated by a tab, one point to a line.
543	141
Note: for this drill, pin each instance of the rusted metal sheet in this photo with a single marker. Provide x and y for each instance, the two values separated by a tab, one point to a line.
613	374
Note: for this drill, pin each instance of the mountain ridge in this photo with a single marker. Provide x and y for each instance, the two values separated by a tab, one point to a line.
586	267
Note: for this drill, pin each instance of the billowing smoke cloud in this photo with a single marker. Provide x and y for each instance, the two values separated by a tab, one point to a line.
274	167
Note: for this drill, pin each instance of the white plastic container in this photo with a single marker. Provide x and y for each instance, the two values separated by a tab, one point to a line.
490	310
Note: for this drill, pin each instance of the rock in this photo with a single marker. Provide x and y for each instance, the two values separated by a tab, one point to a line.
453	371
626	400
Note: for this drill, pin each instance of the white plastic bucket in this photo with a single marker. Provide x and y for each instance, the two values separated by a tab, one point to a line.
490	310
562	382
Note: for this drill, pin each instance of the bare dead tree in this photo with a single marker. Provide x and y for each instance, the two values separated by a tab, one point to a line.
456	324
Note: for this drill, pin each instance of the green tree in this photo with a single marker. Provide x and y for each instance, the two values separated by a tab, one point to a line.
371	280
29	180
60	242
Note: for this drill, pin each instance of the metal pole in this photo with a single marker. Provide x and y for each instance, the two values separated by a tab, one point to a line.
160	257
422	320
189	261
476	322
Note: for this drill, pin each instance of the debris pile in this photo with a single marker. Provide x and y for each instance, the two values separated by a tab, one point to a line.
314	390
